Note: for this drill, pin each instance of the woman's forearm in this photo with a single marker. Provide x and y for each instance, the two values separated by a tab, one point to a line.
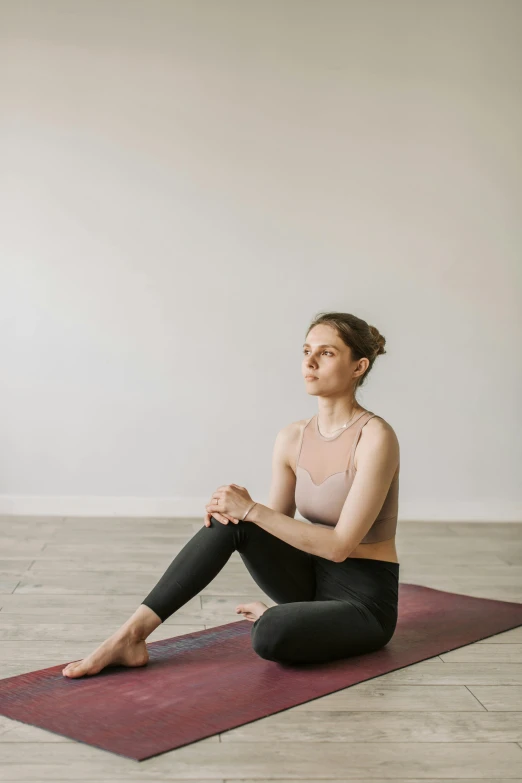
313	539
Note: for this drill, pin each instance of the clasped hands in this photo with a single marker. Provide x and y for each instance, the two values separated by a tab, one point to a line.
228	503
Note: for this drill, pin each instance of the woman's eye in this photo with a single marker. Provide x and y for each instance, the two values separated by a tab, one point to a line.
331	354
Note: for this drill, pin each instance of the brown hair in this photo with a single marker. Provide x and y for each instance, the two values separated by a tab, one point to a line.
365	341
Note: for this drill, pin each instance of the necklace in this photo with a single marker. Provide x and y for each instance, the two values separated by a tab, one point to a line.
337	430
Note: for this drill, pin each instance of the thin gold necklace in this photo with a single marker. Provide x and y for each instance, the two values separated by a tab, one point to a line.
337	430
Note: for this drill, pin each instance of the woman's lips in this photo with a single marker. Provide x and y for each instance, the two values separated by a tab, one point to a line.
310	378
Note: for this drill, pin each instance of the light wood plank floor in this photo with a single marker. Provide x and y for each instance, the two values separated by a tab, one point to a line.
64	588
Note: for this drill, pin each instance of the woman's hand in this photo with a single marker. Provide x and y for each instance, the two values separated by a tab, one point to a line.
230	503
220	518
223	518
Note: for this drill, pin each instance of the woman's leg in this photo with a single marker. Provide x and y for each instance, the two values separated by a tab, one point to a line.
354	612
281	571
318	632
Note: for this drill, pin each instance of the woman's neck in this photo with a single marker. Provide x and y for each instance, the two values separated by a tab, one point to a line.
332	420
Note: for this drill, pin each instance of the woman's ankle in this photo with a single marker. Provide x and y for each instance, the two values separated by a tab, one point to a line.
141	624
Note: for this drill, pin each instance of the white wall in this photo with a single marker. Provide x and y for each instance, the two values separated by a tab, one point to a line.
186	184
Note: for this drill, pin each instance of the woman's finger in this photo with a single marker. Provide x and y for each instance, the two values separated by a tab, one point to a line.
220	518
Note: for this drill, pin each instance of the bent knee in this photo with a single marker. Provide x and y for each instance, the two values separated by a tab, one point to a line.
265	648
228	525
267	637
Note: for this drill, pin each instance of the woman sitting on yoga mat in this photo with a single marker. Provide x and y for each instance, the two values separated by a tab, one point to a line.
335	581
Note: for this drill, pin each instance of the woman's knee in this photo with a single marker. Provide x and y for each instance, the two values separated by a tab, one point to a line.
241	532
268	636
274	639
236	530
241	525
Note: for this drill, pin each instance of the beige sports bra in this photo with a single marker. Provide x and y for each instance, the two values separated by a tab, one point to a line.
324	475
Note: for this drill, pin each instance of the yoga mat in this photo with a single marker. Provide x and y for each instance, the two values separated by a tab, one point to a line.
210	681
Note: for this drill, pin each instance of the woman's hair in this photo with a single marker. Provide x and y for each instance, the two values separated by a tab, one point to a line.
364	340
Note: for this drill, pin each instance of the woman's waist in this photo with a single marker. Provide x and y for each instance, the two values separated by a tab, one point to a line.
381	550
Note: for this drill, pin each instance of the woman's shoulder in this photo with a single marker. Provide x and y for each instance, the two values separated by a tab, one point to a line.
377	422
295	428
290	437
378	433
291	434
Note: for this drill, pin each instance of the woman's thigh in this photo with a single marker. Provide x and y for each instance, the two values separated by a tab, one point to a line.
317	632
282	571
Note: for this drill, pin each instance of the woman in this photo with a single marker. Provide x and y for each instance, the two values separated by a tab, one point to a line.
335	581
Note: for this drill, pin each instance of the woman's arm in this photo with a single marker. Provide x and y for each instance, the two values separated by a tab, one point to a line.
277	516
303	535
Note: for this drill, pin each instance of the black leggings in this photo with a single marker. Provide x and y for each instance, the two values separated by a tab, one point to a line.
325	610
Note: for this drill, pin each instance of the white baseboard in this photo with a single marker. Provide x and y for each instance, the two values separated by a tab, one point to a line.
490	510
101	506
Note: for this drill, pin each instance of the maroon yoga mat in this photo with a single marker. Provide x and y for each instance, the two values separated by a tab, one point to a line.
207	682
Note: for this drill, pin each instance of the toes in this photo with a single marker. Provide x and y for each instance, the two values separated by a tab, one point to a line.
74	669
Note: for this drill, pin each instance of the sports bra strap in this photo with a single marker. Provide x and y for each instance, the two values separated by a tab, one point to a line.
356	439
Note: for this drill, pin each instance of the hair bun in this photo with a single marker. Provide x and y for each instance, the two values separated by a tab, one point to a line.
379	340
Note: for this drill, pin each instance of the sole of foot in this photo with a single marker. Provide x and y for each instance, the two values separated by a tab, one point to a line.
112	652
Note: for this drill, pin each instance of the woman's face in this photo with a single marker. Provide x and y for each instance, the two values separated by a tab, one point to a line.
328	359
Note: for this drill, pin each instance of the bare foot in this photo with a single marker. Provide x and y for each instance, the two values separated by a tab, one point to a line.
117	650
252	611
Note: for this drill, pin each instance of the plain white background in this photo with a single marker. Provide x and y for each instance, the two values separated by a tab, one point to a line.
184	185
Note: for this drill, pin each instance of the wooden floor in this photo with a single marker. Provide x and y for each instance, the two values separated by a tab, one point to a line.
67	584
